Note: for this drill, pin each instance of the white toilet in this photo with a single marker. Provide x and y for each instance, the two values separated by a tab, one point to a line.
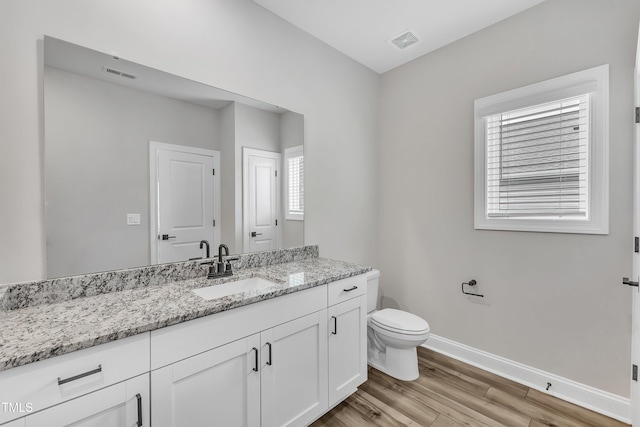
392	336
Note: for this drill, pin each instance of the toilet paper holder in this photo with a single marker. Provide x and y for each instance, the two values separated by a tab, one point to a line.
471	282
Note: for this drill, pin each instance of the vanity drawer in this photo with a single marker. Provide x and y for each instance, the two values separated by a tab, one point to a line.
42	384
346	289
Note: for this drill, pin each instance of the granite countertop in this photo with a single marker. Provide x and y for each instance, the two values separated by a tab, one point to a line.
39	332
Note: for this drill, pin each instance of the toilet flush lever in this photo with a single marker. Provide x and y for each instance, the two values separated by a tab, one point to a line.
626	281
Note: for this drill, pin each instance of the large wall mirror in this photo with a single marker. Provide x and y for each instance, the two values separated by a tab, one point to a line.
141	166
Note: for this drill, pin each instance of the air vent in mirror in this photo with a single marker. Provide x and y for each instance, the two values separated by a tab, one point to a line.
118	72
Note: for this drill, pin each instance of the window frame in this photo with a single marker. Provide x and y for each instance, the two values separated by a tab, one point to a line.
593	81
297	151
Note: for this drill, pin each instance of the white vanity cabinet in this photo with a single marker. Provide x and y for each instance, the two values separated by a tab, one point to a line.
280	362
347	337
273	378
262	364
71	382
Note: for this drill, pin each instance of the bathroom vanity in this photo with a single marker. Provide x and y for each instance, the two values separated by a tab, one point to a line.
159	354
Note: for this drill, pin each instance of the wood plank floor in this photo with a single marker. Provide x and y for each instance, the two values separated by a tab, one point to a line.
452	393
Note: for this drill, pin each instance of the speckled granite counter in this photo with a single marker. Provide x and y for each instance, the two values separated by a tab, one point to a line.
43	330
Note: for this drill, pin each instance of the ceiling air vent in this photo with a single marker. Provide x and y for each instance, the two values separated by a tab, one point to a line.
405	40
118	72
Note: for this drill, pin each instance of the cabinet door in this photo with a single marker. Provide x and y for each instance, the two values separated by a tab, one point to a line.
218	387
125	404
347	333
294	371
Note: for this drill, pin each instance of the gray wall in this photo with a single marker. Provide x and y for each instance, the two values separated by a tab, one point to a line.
97	167
553	301
291	135
269	59
228	178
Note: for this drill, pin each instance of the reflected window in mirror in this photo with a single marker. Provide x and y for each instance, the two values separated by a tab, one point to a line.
294	183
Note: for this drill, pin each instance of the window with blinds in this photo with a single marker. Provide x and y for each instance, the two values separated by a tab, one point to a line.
542	156
294	185
538	160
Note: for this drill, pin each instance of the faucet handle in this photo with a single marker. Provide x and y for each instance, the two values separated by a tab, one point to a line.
227	266
228	262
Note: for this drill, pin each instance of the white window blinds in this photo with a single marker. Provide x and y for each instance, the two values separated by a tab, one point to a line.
537	160
294	163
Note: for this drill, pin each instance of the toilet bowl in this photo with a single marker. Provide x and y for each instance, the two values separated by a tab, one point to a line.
392	336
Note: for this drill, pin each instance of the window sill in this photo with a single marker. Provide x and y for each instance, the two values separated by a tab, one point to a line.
571	226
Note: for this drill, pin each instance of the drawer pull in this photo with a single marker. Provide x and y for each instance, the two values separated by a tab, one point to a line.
335	325
255	369
77	377
269	362
351	289
139	423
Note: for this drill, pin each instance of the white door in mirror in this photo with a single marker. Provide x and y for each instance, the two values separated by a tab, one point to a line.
261	199
187	198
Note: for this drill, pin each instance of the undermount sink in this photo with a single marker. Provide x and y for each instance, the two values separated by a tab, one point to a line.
235	287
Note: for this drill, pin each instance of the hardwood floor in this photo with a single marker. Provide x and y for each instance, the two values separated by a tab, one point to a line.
452	393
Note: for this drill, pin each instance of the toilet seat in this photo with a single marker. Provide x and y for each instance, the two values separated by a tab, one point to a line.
399	322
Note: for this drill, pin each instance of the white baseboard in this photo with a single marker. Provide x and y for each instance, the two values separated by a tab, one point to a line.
597	400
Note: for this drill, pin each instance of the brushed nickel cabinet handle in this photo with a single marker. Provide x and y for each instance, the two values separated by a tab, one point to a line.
77	377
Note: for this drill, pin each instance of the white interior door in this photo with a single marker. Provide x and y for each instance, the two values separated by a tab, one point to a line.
185	201
261	199
635	322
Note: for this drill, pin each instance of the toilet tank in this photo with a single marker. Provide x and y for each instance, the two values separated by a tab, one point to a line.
373	278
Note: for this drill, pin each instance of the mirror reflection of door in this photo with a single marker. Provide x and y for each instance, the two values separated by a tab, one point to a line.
185	201
261	199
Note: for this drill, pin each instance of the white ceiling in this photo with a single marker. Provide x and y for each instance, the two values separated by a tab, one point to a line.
87	62
362	29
